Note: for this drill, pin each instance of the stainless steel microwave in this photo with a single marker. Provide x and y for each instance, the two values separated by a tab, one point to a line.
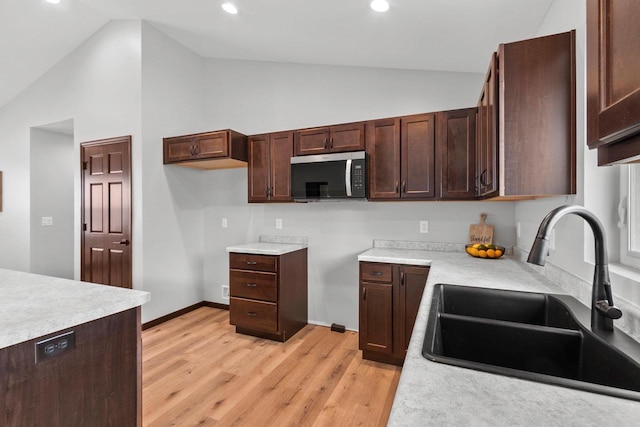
336	176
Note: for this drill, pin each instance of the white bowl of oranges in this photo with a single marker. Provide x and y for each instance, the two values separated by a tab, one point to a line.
479	250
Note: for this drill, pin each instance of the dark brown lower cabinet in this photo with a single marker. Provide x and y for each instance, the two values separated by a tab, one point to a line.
97	383
268	294
390	296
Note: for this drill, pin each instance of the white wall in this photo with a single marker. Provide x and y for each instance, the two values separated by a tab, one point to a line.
598	187
98	86
172	201
254	97
51	181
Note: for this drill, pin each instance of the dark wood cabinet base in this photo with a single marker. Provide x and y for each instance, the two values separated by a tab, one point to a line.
97	383
382	357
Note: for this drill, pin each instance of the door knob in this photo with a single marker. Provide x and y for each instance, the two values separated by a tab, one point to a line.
124	242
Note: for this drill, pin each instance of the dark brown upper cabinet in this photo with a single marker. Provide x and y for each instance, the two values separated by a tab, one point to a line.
401	153
418	157
456	138
383	152
329	139
529	129
210	150
613	80
423	157
269	170
487	134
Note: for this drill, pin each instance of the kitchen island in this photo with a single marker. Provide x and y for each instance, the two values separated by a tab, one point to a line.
431	393
69	352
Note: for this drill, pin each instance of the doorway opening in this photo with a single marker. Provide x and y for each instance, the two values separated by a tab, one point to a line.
52	168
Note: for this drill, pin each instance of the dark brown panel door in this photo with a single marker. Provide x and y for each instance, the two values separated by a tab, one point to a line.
418	156
211	145
311	141
376	317
258	168
280	153
383	150
456	136
349	137
487	134
179	149
412	283
106	212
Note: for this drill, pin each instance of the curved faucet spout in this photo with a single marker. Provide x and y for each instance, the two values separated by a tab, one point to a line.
603	311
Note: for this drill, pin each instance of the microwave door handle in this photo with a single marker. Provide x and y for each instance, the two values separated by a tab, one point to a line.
347	177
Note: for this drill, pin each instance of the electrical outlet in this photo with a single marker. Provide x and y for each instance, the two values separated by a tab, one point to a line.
518	231
224	222
52	347
47	221
424	227
279	223
225	291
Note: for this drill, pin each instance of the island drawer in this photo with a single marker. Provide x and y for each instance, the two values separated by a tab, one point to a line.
253	262
255	315
254	285
376	272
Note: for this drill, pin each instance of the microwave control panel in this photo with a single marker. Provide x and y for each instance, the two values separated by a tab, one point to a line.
358	179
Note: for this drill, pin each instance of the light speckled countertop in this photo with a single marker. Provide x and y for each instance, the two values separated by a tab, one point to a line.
271	245
437	394
33	305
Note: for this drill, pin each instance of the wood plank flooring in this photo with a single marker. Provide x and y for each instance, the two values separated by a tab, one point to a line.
196	371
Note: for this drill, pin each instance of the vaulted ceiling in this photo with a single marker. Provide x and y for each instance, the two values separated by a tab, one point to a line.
449	35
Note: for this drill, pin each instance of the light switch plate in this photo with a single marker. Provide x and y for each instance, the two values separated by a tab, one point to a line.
279	223
47	221
224	223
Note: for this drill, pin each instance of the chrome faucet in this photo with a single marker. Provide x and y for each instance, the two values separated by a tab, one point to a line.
603	311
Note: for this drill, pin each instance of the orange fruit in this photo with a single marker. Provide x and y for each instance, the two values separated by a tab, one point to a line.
482	254
498	253
491	253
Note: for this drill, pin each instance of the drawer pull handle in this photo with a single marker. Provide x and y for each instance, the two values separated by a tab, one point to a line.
376	273
252	313
251	285
252	262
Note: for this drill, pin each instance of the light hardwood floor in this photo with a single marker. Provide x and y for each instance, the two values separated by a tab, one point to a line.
198	372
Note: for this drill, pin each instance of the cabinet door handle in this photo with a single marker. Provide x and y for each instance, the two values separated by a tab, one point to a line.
404	187
252	262
331	142
251	285
397	186
376	273
364	293
325	143
252	313
402	278
483	181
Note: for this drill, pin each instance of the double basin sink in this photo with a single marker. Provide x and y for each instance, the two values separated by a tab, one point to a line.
535	336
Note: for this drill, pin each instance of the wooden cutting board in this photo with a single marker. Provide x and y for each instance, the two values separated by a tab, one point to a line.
481	233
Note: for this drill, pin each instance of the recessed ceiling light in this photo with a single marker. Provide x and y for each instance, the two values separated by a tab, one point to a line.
229	8
53	1
380	5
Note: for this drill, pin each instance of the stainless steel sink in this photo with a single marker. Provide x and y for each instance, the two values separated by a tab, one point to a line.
534	336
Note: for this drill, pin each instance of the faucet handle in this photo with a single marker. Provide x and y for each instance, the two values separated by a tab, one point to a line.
608	311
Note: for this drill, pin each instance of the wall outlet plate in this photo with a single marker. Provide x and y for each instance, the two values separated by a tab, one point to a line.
424	227
225	291
279	223
224	223
52	347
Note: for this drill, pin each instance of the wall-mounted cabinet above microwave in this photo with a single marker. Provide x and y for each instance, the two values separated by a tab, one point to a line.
335	177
